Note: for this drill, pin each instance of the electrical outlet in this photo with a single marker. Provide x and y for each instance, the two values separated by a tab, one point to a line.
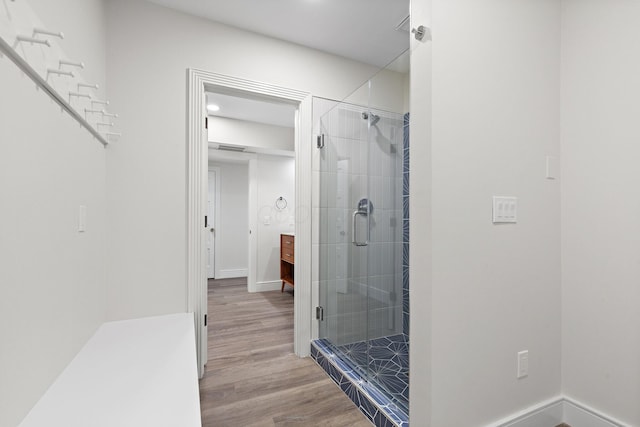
523	363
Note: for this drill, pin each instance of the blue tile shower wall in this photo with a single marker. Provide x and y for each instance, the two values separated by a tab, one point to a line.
405	227
376	406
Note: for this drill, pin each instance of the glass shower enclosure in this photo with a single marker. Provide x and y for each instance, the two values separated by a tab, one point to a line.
363	250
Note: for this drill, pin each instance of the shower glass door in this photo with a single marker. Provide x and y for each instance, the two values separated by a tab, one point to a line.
344	232
361	234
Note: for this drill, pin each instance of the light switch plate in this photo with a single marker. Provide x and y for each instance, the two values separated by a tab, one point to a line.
505	209
523	363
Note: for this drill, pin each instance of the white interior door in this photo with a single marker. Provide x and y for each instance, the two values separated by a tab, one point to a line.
211	222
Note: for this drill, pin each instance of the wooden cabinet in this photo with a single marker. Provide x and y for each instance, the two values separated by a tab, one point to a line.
287	259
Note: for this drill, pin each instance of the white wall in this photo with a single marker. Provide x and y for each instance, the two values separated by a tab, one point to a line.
275	178
52	278
420	232
600	206
232	230
146	70
251	134
495	288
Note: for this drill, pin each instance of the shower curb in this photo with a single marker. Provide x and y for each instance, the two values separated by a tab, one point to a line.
372	403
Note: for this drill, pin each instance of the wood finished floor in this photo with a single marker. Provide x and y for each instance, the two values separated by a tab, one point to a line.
252	377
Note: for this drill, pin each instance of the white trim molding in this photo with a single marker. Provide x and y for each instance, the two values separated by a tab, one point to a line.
577	414
547	413
253	224
197	165
216	218
556	411
302	325
197	168
231	273
271	285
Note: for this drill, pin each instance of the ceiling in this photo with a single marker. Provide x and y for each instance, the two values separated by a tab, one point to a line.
252	110
363	30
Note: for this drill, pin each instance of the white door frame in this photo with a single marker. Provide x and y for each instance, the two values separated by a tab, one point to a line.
252	167
197	169
216	219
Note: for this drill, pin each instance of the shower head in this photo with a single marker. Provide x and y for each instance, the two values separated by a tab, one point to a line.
374	118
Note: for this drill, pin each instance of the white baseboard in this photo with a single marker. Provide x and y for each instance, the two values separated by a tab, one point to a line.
273	285
577	414
230	274
553	412
545	414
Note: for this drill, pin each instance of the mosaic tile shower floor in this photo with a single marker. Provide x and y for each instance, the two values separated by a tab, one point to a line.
388	364
374	404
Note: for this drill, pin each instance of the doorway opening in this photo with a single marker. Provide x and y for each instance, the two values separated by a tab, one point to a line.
251	194
200	83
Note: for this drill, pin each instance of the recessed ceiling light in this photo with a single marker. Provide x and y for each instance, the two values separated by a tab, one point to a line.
213	107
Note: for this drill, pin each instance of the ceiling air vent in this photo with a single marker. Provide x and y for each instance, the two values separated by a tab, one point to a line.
404	24
236	148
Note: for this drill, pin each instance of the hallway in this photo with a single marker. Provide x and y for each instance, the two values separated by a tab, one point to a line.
252	378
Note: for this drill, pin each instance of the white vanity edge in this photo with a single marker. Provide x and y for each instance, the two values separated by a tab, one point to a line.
140	372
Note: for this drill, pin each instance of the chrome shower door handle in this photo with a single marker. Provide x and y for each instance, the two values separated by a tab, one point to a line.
354	238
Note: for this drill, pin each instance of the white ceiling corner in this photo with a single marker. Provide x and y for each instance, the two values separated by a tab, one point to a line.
363	30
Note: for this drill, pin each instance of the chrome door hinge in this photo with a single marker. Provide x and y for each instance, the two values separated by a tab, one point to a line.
320	313
320	141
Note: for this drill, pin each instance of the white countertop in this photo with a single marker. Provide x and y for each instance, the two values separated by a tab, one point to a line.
135	373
